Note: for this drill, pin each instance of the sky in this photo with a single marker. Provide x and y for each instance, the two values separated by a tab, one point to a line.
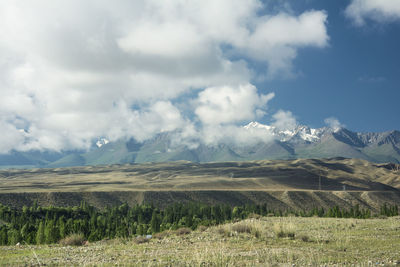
74	71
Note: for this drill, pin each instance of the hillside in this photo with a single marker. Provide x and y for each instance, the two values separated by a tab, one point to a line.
281	183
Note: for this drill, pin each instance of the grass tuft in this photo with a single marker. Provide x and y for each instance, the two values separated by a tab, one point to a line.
73	240
242	228
141	240
161	235
202	228
183	231
283	230
304	238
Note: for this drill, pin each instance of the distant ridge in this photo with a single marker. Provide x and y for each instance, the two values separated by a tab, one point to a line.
299	142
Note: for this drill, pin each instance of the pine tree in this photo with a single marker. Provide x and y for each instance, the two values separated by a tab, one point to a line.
3	236
40	238
13	237
62	227
51	232
25	233
155	222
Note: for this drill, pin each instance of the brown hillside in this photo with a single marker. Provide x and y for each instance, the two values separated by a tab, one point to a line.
281	183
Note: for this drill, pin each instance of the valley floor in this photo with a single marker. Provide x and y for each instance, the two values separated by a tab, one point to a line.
253	242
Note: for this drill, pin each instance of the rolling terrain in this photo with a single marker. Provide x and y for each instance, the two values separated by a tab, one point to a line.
284	184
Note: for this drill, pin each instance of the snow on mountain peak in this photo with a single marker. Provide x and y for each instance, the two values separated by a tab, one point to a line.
258	125
301	131
101	142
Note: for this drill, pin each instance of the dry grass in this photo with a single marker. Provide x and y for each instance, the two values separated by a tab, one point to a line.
254	175
318	241
285	185
285	229
183	231
242	228
73	240
140	240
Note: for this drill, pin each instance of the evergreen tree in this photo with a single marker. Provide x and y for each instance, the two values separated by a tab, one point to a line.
3	236
40	238
13	237
155	222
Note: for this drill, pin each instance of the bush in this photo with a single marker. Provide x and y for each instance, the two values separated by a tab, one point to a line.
282	234
241	228
183	231
141	240
202	228
221	231
304	238
254	216
73	240
284	230
256	233
161	235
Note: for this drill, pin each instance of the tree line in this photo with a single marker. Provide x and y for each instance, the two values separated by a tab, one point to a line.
46	225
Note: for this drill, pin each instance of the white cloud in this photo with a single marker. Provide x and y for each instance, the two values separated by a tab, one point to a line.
232	134
377	10
225	105
284	120
11	136
276	39
333	123
71	71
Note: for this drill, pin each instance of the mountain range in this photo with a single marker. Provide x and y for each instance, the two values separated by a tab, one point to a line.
300	142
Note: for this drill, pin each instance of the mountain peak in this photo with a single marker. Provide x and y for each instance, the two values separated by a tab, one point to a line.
298	133
101	142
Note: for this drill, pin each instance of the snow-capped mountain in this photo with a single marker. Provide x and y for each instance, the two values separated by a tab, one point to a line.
101	142
300	132
299	142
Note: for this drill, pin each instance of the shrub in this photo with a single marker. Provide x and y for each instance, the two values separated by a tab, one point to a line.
73	240
183	231
202	228
141	240
284	230
282	234
161	235
242	228
254	216
221	231
256	233
304	238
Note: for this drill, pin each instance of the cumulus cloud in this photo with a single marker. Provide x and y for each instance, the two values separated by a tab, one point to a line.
72	71
333	123
233	134
276	39
284	120
376	10
221	105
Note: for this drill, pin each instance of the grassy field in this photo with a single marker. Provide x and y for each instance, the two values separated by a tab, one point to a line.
283	184
281	175
271	241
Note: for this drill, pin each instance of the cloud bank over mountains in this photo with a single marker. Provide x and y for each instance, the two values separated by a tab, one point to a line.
72	71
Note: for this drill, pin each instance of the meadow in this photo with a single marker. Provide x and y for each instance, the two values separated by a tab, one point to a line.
257	241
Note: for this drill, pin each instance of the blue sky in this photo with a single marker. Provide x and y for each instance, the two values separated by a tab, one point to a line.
72	72
356	78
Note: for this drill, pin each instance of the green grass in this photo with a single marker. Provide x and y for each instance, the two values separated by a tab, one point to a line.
253	242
